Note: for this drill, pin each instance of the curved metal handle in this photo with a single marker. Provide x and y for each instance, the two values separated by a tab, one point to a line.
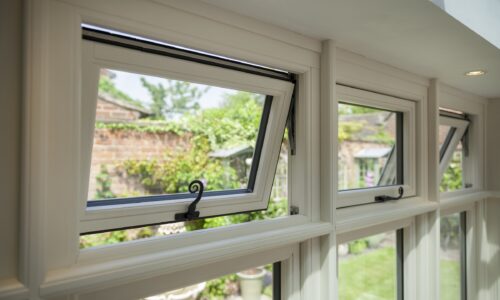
387	198
196	186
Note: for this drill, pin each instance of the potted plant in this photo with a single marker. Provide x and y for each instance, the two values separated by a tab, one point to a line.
251	282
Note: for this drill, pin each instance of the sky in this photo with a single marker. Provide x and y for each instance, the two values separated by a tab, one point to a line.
130	83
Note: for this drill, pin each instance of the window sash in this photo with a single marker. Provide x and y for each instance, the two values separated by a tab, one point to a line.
121	215
458	127
406	136
130	41
177	196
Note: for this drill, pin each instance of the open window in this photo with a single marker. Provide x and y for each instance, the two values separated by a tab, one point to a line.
453	149
376	156
157	117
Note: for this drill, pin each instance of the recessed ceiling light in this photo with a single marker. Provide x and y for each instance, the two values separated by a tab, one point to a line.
475	73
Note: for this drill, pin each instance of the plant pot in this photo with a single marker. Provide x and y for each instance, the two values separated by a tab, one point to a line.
251	282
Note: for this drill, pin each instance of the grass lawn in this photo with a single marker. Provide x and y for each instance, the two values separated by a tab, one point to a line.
450	280
372	276
368	276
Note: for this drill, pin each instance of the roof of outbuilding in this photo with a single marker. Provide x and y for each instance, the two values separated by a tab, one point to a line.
108	98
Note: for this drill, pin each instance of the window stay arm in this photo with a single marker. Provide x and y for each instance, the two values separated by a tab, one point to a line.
290	123
192	213
384	198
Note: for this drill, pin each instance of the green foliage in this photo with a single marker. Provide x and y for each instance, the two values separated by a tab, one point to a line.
176	97
452	178
220	288
114	237
107	86
449	230
236	122
348	129
358	246
179	167
150	126
381	136
275	209
103	183
347	109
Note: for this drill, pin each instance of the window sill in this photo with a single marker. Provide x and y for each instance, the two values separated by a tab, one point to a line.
462	198
494	194
364	216
160	256
12	289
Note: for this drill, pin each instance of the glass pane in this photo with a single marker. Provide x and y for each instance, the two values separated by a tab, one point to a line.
444	131
453	176
278	206
450	257
155	135
367	268
367	139
251	284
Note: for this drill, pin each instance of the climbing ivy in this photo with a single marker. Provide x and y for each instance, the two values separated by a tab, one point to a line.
144	126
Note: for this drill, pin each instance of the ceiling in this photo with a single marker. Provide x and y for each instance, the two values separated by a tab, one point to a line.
413	35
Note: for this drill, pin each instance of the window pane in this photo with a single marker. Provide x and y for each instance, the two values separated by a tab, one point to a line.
453	176
278	206
251	284
367	268
444	132
155	135
450	257
367	142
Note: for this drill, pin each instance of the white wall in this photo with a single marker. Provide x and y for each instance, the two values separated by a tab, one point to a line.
481	16
10	133
493	254
493	205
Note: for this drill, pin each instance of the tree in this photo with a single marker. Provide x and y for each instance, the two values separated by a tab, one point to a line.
107	86
348	109
452	177
177	97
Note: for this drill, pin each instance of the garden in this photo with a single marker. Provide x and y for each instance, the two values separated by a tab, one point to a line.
366	267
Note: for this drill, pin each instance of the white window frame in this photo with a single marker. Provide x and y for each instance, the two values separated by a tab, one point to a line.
460	126
98	55
354	96
472	200
409	260
468	210
52	263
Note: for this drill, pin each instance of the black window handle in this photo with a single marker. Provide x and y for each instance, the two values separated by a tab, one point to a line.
387	198
192	213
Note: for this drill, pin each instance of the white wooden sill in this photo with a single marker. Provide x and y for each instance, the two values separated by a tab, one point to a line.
148	259
461	198
364	216
494	194
12	289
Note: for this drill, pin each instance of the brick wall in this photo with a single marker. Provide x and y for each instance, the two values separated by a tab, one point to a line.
112	147
107	111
